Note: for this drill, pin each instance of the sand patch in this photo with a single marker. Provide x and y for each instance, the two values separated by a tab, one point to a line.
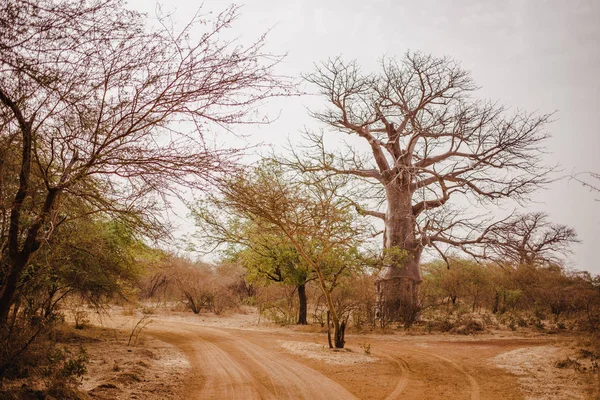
152	370
538	374
321	352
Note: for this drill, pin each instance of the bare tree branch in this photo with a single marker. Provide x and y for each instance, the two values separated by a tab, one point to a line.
114	114
431	143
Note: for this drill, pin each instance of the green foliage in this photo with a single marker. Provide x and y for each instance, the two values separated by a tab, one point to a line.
90	258
547	298
87	258
69	365
308	211
394	256
271	258
63	371
462	280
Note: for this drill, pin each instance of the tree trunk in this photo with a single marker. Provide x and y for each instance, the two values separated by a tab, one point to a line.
15	269
398	300
399	280
496	302
339	333
302	304
19	257
325	290
329	330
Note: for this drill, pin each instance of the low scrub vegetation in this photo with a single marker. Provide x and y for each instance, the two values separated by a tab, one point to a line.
463	298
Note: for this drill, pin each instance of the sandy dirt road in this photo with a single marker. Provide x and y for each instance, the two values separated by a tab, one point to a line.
231	363
257	362
227	366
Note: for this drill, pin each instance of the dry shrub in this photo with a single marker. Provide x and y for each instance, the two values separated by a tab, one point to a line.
468	326
22	349
205	287
158	281
354	300
278	303
31	353
455	320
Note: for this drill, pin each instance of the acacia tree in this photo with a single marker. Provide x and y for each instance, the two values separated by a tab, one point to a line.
427	140
312	218
275	259
87	258
264	256
96	106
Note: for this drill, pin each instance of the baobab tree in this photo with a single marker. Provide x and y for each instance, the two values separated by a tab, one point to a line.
96	106
526	239
426	140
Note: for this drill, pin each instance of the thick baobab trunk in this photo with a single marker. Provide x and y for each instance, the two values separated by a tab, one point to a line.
302	304
399	280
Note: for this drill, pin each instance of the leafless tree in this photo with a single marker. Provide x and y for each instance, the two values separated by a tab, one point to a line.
527	239
96	106
427	140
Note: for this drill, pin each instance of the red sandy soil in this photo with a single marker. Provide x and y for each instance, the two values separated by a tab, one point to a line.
181	355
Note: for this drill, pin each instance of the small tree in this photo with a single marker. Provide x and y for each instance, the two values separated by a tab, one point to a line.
317	223
275	259
427	141
205	287
445	281
194	283
266	257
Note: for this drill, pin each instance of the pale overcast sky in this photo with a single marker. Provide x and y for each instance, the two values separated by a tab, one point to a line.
534	55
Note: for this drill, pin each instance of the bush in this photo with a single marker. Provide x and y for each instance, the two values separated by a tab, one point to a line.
279	304
81	318
489	320
439	323
63	370
468	326
203	287
31	352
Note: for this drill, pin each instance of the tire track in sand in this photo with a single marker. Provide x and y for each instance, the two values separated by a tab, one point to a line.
474	386
227	366
403	381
